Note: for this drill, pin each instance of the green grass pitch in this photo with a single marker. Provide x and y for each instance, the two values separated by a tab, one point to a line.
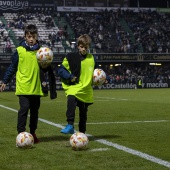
128	130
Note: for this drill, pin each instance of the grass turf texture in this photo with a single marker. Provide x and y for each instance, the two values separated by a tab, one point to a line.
125	117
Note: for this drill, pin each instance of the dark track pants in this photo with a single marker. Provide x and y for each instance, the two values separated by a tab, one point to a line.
27	103
72	102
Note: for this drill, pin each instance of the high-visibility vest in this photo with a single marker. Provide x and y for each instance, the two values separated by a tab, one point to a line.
28	73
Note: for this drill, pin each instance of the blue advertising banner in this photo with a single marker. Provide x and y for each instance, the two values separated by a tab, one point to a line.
15	5
110	57
11	86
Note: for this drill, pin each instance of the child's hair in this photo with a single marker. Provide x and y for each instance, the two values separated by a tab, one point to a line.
32	29
84	40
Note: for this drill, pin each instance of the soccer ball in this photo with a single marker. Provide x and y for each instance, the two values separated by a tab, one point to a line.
44	56
79	141
99	77
24	140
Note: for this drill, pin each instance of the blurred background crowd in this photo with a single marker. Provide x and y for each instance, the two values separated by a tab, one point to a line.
113	31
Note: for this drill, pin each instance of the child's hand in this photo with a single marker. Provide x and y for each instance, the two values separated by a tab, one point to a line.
106	81
73	79
2	87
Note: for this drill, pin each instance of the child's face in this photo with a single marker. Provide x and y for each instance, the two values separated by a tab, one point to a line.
83	49
31	39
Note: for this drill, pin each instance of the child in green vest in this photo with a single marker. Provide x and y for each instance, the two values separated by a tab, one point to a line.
76	73
28	84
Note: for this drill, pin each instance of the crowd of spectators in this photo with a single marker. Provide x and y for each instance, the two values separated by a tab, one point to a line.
124	31
5	40
16	23
130	73
151	29
112	31
125	73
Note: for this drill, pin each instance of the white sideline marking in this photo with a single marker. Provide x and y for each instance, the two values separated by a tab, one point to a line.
115	145
145	121
135	152
99	149
42	120
8	108
111	98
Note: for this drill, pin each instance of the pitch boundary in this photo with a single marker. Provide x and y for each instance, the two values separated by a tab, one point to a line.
114	145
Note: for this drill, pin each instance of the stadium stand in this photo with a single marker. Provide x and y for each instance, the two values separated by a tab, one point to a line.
114	31
48	31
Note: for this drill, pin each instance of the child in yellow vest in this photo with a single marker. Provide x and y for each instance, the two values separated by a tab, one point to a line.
76	73
28	84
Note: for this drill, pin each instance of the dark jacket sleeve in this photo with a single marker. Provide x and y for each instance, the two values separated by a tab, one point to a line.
52	83
64	73
96	63
11	70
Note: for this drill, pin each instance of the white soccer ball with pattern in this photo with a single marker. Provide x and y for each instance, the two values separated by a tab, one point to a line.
79	141
24	140
99	77
44	56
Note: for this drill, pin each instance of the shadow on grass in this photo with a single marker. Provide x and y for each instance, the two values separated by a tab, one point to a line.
97	137
54	138
67	137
